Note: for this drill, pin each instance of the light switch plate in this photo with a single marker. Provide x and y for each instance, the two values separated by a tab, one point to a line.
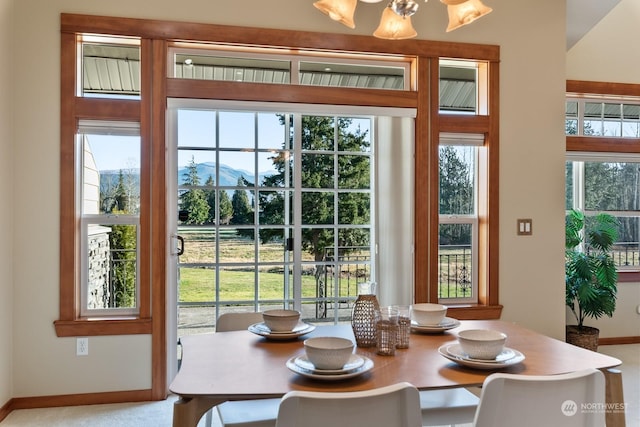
525	227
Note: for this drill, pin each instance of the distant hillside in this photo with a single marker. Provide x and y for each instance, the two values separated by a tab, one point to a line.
228	175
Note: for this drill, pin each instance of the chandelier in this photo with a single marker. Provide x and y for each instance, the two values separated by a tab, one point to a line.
395	23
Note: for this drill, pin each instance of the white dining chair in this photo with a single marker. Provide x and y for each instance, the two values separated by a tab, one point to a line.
397	405
237	321
448	406
243	413
567	400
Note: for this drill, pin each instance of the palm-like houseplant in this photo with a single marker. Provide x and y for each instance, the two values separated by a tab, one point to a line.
590	273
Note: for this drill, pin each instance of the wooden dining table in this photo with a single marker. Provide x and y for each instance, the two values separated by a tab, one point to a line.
241	365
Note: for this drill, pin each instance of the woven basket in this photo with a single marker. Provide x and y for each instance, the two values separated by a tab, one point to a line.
585	337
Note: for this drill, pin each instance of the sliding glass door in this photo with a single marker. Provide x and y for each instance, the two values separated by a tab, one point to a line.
272	208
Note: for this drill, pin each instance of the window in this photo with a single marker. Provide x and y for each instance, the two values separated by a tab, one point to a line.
464	139
110	67
610	184
463	87
256	66
275	208
458	212
116	70
110	218
603	163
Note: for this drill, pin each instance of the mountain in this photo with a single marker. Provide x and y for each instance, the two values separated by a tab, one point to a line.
228	176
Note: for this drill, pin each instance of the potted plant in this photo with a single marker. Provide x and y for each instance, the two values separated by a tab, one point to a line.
590	273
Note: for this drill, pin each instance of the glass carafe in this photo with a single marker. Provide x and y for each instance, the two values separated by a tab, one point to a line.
363	317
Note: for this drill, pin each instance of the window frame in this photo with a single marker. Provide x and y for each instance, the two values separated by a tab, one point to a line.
602	144
477	142
156	36
486	122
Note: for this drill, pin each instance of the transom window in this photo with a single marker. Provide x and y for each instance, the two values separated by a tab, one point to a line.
255	66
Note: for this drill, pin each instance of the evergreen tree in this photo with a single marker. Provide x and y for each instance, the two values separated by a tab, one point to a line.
122	241
226	208
210	195
320	134
456	194
194	200
242	212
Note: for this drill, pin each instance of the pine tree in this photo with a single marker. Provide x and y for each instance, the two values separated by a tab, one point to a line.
242	212
194	200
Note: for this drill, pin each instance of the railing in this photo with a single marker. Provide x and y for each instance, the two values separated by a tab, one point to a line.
353	266
626	254
454	271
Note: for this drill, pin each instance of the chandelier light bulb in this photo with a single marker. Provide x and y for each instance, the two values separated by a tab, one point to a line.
404	7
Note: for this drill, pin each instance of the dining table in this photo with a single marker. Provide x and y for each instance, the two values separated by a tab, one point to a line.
241	365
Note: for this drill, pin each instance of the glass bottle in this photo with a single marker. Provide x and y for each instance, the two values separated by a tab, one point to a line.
363	317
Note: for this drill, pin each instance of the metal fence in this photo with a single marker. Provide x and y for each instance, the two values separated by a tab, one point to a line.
454	271
626	254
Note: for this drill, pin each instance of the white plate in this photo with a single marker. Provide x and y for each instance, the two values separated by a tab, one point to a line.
263	330
446	324
446	352
366	366
505	355
355	361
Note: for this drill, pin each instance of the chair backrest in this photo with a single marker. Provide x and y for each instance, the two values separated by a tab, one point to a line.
237	321
573	399
396	405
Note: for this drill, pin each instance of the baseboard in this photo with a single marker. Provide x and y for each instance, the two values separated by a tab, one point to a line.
618	340
5	410
79	399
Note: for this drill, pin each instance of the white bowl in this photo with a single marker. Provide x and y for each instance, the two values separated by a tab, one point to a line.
428	314
483	344
328	352
281	320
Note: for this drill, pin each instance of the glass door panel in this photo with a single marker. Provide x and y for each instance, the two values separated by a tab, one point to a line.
275	210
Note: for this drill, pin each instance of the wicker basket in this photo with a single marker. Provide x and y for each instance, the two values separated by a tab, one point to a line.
585	337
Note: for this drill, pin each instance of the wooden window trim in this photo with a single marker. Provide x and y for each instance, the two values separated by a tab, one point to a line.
601	144
155	37
427	203
74	108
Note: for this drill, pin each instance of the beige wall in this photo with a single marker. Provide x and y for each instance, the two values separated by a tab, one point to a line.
6	211
610	53
532	169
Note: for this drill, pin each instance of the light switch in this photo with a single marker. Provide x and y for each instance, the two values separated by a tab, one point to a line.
525	227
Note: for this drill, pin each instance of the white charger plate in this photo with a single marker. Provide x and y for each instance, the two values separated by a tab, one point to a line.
448	351
263	330
355	361
446	324
366	367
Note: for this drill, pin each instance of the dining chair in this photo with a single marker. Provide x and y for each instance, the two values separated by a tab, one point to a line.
243	413
567	400
448	406
397	405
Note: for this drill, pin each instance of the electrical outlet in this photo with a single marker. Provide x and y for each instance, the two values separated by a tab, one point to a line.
82	346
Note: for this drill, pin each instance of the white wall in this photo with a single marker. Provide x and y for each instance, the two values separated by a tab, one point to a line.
6	211
531	171
609	53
